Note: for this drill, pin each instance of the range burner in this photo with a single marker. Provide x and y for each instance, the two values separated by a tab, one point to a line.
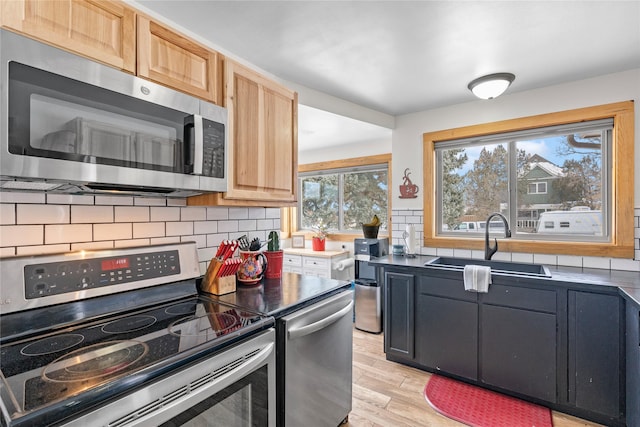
182	308
52	344
129	324
207	324
95	361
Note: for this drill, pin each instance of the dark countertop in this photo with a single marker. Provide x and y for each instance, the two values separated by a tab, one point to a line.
627	282
279	297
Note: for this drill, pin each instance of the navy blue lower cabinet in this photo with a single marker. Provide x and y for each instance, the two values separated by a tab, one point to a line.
446	328
518	351
633	364
399	319
595	354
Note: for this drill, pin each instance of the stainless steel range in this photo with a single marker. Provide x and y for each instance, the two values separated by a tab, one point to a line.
121	338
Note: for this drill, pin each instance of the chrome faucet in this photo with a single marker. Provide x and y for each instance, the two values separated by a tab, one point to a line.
488	250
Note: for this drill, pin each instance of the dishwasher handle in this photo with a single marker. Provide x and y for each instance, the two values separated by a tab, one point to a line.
321	324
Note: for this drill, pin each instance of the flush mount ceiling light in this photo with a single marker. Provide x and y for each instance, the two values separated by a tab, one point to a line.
491	86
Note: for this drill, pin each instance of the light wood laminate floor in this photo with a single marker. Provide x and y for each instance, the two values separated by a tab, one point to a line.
389	394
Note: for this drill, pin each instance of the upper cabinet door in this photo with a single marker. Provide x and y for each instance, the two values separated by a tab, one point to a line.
263	127
100	30
263	134
173	60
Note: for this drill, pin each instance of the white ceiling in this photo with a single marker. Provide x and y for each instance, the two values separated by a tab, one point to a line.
399	57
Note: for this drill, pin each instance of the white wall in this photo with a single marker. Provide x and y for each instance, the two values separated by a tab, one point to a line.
366	148
407	136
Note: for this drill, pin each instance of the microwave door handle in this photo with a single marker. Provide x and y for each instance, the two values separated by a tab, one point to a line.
198	145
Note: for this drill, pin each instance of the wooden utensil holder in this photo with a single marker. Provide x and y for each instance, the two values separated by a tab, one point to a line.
212	284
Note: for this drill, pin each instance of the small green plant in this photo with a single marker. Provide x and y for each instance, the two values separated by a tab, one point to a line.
274	242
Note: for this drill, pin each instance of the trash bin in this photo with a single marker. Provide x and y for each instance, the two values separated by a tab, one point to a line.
368	309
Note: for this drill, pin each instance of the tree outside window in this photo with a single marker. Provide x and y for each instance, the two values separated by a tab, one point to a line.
344	199
528	177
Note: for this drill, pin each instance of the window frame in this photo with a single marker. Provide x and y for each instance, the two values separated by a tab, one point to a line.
621	244
292	215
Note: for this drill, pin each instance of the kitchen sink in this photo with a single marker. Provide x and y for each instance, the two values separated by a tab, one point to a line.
505	267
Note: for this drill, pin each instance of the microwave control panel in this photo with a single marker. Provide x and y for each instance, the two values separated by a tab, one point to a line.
213	149
43	280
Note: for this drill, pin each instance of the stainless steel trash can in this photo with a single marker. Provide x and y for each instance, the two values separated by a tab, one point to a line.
368	306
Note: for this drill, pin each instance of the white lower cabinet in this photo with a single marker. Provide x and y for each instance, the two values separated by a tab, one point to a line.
314	263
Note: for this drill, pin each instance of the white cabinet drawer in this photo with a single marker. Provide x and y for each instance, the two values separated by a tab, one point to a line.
316	263
292	260
289	269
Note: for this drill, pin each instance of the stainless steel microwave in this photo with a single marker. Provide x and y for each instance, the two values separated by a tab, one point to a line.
72	125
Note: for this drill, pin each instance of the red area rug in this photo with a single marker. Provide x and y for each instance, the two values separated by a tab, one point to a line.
478	407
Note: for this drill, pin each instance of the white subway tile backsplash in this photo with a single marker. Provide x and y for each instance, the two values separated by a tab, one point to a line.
257	213
205	254
179	228
545	259
67	233
5	252
131	214
42	214
216	239
130	243
165	240
149	201
15	197
201	240
176	202
217	213
69	199
462	253
91	214
21	235
194	213
7	214
265	224
92	246
117	231
625	264
570	260
238	213
596	262
44	249
272	213
165	214
205	227
444	252
228	226
501	256
522	257
248	225
114	200
148	229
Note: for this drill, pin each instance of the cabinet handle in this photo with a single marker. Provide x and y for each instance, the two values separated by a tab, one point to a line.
309	329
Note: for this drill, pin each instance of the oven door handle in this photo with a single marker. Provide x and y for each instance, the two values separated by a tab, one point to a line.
321	324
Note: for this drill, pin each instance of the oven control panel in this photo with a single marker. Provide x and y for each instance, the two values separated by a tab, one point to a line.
54	278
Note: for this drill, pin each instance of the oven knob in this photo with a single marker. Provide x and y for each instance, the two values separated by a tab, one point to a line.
85	282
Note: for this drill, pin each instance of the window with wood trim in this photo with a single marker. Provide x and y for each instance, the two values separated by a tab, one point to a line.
331	190
548	174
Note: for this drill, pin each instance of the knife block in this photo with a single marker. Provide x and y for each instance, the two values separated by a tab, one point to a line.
212	284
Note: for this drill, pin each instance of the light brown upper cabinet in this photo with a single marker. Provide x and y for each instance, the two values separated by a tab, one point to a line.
263	132
173	60
102	30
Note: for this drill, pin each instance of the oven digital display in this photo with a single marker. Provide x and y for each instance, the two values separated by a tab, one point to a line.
115	264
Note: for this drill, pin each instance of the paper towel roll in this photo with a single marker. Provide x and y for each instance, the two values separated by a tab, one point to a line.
345	263
410	238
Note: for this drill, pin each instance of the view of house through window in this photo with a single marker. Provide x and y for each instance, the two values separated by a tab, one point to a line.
549	183
343	199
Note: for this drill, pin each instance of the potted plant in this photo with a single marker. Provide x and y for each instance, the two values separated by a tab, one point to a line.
320	234
274	257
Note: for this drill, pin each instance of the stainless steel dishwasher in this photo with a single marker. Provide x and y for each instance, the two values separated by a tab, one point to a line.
317	363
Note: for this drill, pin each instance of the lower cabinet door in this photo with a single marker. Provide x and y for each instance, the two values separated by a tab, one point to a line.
447	336
518	351
595	345
398	318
